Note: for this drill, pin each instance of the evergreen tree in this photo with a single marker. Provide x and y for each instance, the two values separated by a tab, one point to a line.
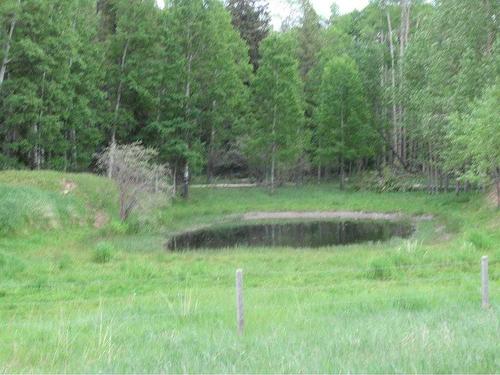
224	103
37	98
251	18
203	96
309	38
344	133
82	119
131	52
277	135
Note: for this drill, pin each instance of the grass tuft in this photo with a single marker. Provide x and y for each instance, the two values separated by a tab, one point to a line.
480	240
380	269
103	253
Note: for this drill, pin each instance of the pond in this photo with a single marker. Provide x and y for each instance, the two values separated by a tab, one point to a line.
308	234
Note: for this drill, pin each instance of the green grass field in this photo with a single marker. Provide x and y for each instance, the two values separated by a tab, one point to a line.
75	298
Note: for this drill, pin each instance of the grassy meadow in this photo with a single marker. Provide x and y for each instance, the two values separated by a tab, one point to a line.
82	292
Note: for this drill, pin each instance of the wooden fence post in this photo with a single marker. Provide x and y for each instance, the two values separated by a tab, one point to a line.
484	282
240	319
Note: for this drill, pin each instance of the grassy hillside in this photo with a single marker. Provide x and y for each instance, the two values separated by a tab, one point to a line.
48	200
77	299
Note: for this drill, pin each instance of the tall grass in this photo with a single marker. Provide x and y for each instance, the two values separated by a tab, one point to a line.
33	201
399	306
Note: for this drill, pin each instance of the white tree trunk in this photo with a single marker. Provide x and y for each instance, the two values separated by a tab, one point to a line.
403	43
273	147
117	108
342	169
38	151
497	185
393	85
6	50
185	188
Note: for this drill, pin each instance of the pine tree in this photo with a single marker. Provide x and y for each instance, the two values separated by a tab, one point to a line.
82	120
251	18
309	36
344	133
278	107
224	103
34	98
202	93
132	48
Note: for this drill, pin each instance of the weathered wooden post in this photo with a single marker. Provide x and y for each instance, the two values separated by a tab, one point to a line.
484	282
240	319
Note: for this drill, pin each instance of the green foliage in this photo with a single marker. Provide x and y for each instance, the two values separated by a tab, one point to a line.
480	240
251	18
475	138
200	96
60	304
49	113
103	253
7	162
450	61
343	125
75	75
118	227
277	138
51	200
387	180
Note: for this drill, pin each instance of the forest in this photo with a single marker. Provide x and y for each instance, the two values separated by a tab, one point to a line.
190	186
403	87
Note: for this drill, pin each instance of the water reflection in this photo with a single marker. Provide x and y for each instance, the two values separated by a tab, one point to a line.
292	234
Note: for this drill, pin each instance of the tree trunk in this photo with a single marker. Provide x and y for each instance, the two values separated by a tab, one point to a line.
123	211
211	149
74	154
174	180
6	50
273	165
273	147
185	185
393	86
187	111
342	169
38	151
403	42
497	184
117	108
342	172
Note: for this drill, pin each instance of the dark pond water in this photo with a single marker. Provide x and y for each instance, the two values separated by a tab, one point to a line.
291	234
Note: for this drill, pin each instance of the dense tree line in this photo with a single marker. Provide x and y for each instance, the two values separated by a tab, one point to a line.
402	84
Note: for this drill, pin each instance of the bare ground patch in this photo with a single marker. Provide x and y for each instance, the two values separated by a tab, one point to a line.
352	215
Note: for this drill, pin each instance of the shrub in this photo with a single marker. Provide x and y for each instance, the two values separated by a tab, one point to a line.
133	169
103	253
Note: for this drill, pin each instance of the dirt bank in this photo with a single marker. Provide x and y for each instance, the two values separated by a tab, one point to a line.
353	215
